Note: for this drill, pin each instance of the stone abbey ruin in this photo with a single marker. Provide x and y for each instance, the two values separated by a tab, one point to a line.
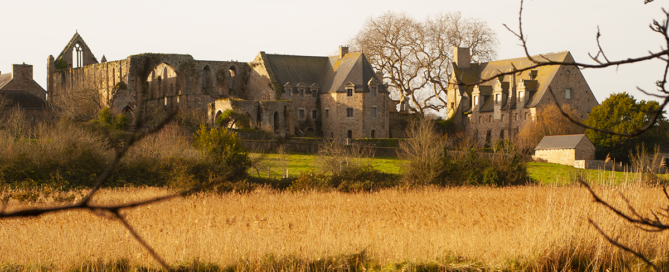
324	96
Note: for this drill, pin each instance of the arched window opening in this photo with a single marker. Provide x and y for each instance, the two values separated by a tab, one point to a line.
276	121
216	117
77	56
349	134
206	80
232	72
259	118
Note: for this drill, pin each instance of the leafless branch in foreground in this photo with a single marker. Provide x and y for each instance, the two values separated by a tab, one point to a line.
600	61
84	203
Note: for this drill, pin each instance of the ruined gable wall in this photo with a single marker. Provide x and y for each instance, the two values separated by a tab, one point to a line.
260	84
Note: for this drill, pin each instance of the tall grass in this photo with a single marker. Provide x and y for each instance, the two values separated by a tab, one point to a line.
536	228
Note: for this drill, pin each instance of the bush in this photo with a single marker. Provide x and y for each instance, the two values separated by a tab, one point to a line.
487	170
105	116
121	122
230	118
224	149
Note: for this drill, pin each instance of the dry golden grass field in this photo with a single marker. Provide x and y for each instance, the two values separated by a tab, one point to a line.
515	228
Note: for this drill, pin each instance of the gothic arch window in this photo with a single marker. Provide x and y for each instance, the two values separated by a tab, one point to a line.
77	56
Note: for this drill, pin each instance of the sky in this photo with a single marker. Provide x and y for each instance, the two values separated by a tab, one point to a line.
238	30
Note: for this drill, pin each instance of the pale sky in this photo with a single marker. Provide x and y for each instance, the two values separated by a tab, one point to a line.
238	30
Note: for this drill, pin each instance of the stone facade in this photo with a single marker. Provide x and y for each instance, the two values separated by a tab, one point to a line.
323	91
18	90
499	108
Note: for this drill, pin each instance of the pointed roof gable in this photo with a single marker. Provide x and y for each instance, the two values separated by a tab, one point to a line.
75	39
545	75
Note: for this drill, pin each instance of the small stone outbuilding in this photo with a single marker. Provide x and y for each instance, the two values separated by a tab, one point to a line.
565	149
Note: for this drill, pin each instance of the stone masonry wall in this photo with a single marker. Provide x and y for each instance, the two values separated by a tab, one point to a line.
22	80
559	156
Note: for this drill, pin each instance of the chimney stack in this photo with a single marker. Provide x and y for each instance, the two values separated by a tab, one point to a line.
461	57
343	50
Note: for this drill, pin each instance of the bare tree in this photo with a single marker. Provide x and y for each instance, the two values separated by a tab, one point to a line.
80	104
416	57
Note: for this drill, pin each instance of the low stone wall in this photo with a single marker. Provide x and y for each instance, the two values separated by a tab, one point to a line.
597	165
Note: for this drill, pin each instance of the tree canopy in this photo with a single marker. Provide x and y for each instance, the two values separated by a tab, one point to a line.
621	113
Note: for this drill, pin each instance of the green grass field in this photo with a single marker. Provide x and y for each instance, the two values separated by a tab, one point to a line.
299	163
543	173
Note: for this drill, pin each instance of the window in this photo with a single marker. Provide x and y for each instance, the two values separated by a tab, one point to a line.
313	114
349	134
502	117
349	112
372	134
165	100
497	98
373	93
301	92
349	92
373	112
489	118
480	120
567	94
289	92
327	113
469	119
501	134
515	116
476	101
300	113
521	96
314	93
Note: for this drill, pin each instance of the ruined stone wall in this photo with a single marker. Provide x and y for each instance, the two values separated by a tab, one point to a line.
260	86
273	116
559	156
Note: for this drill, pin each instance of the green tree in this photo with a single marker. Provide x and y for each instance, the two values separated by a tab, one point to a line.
230	118
621	113
224	148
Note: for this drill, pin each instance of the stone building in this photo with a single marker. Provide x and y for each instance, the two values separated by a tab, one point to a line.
18	90
333	96
565	149
498	109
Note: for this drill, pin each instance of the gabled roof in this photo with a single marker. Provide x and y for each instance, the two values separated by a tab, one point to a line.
22	99
4	79
561	141
297	69
545	75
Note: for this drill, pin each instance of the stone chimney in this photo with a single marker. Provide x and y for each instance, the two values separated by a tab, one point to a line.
22	71
461	57
343	50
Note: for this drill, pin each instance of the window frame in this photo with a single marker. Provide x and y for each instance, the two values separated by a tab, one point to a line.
374	112
349	92
301	113
567	93
314	114
327	113
349	112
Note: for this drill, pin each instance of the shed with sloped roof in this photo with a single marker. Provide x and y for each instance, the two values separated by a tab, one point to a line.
565	149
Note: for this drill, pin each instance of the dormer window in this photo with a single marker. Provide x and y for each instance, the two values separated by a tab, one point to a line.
314	93
301	91
498	98
349	92
289	92
373	91
476	101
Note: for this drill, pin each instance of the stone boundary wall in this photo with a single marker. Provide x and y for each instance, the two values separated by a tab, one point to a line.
303	146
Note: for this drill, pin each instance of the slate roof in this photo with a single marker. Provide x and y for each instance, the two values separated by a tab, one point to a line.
4	79
560	141
330	73
477	71
22	99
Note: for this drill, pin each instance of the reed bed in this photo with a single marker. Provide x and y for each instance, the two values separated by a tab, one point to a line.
514	228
